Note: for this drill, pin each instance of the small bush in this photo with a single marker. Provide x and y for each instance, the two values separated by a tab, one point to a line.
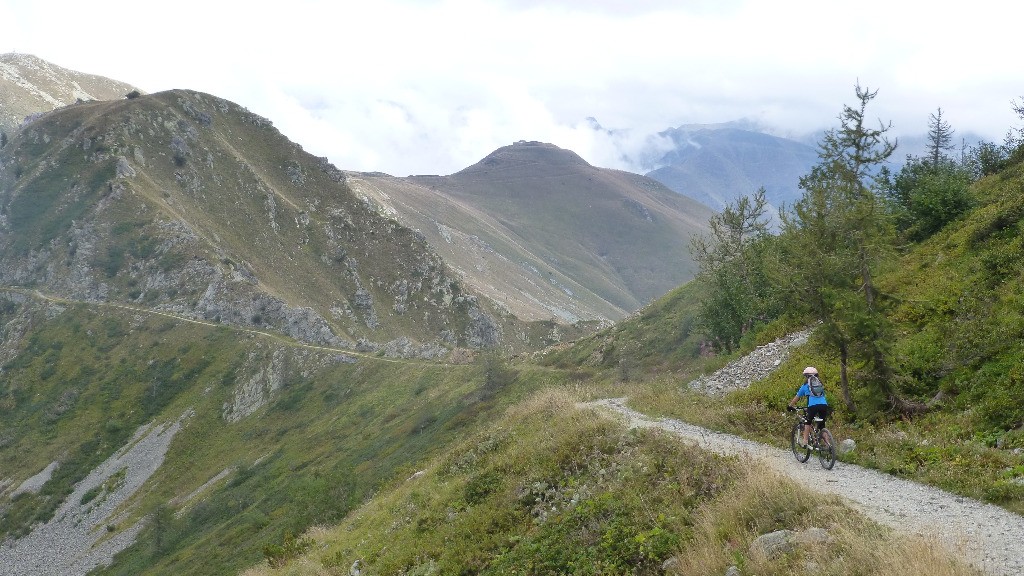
180	150
481	486
90	495
277	555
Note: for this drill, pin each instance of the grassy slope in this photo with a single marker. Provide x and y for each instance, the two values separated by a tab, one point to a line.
546	487
659	337
88	377
493	260
551	488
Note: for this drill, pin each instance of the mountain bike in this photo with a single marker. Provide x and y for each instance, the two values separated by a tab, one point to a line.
819	441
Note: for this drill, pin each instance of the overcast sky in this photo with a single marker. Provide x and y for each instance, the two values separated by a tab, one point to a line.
421	86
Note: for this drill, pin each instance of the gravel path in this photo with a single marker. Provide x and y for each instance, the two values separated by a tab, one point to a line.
988	537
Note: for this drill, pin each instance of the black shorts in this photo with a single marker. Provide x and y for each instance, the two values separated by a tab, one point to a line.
820	410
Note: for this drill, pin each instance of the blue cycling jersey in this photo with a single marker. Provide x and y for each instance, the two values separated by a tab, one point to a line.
805	390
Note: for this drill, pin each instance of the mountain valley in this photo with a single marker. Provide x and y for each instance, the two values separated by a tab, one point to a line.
171	261
220	354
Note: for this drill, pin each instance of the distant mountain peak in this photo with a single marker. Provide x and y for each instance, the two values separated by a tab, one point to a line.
30	85
544	233
522	153
741	124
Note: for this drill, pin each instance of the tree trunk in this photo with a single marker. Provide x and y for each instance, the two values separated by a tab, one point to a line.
865	277
907	408
844	381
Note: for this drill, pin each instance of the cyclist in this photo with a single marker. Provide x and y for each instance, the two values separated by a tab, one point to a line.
817	405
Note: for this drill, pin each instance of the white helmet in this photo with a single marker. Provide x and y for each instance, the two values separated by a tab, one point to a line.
810	371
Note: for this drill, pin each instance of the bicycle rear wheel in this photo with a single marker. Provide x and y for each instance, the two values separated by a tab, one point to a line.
826	450
795	438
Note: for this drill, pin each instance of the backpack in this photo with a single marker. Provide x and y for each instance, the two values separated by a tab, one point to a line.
815	386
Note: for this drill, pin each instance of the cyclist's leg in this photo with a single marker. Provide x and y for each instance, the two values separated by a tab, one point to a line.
826	437
817	411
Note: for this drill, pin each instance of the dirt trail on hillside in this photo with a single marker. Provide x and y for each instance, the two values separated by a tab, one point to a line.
986	536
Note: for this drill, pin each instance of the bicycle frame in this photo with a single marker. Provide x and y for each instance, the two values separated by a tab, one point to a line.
819	440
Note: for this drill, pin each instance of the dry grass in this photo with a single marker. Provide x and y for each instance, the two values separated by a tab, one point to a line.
548	402
762	502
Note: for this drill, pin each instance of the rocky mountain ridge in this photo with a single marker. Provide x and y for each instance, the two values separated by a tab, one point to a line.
536	258
153	200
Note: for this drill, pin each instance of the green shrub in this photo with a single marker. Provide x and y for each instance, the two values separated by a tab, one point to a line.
481	486
277	555
90	495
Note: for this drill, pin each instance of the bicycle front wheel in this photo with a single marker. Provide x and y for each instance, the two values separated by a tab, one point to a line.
826	450
795	439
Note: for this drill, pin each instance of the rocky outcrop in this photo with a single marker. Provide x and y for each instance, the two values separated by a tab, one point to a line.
34	484
256	390
773	545
266	370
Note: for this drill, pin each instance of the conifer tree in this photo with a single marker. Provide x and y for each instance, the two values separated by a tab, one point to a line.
732	266
930	191
836	235
940	138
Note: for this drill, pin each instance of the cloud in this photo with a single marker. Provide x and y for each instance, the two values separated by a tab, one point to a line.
406	86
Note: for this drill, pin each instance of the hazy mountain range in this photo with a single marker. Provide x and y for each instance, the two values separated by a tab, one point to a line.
717	164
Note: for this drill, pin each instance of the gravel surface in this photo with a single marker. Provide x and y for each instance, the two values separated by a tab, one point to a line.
78	539
988	537
750	368
35	484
